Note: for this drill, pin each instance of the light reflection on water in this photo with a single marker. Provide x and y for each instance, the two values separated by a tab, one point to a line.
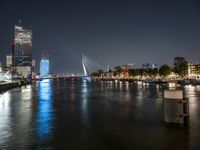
45	110
192	92
24	120
26	92
5	120
16	118
91	115
84	101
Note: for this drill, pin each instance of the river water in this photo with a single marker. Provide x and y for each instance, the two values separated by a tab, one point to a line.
75	115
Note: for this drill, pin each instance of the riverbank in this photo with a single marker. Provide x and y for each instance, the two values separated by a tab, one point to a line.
11	85
156	81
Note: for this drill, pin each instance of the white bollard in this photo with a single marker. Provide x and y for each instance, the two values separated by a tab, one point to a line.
176	108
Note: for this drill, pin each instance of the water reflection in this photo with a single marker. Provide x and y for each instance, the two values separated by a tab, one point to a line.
24	110
84	102
45	110
26	92
5	121
71	95
192	93
16	118
72	90
124	93
103	113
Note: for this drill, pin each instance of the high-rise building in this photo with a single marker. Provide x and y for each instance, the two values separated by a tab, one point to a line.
9	61
22	56
44	66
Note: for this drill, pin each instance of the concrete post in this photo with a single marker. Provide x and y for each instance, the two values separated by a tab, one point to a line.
176	108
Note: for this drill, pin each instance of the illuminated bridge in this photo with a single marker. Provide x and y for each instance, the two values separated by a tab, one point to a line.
89	66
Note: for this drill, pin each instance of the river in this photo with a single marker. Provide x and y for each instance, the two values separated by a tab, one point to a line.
76	115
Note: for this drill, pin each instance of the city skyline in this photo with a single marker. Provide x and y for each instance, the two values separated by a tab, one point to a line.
112	33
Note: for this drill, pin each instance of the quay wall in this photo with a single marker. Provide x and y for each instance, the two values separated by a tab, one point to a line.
11	85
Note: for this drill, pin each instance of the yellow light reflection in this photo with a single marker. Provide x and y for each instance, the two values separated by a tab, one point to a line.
5	130
192	93
26	92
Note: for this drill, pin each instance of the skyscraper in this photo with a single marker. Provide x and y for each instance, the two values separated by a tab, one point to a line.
44	66
22	56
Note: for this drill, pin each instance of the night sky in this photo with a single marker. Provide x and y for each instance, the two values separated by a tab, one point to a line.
107	31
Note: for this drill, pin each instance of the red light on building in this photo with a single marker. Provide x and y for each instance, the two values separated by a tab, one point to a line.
30	45
125	73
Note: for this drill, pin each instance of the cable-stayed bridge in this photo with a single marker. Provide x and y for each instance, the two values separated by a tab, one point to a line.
90	66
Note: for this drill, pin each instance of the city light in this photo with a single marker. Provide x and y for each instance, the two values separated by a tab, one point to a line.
45	112
44	68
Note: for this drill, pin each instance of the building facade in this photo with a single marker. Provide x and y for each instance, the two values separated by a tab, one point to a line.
44	66
22	55
9	61
127	66
193	71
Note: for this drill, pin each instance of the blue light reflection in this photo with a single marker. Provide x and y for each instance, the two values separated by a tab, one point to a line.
45	110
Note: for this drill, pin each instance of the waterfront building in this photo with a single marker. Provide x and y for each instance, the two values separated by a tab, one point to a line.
146	66
22	56
44	66
172	76
127	66
191	70
9	61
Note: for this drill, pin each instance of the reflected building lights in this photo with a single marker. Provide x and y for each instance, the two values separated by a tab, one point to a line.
116	81
102	85
140	96
126	95
198	87
72	91
45	112
139	83
26	92
84	102
127	86
158	87
190	92
120	85
24	112
5	120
